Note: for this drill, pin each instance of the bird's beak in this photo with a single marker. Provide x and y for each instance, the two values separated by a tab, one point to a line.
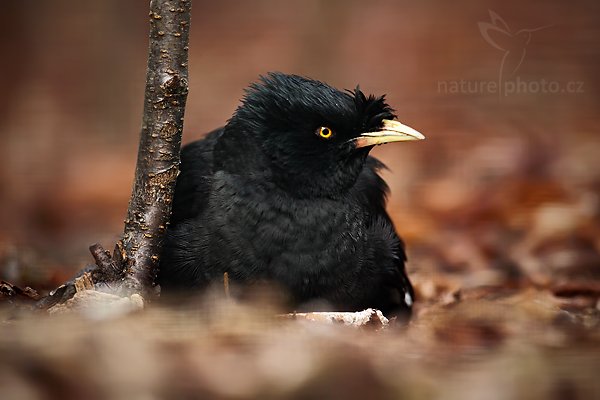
391	131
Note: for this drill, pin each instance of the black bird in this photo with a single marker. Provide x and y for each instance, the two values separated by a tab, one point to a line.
286	192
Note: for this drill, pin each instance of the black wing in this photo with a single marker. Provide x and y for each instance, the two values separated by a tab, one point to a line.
194	180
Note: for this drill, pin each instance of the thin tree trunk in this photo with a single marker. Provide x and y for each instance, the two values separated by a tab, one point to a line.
158	154
134	263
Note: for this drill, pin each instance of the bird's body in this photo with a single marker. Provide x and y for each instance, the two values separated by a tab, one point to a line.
267	199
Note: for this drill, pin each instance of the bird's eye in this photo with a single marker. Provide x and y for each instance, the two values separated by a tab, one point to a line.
325	132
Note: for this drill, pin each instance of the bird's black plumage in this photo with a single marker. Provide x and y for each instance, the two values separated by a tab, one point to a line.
266	198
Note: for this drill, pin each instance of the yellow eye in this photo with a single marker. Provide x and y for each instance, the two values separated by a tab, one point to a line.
325	132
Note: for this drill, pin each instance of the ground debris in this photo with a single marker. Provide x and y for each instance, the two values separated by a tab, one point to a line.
224	349
369	317
14	294
99	305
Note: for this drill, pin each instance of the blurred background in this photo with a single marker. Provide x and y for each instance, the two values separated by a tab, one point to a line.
504	189
499	207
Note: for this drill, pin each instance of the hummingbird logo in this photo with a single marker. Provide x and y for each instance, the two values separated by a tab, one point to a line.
512	44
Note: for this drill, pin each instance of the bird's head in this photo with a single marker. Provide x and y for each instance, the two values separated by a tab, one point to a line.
308	137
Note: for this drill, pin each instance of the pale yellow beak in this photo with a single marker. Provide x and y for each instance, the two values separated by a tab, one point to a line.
392	131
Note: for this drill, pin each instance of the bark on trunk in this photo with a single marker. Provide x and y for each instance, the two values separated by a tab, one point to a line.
158	154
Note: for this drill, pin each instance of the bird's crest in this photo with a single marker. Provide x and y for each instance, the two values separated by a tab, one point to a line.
373	108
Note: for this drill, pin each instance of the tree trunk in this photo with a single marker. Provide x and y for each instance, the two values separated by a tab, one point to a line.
134	263
158	154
